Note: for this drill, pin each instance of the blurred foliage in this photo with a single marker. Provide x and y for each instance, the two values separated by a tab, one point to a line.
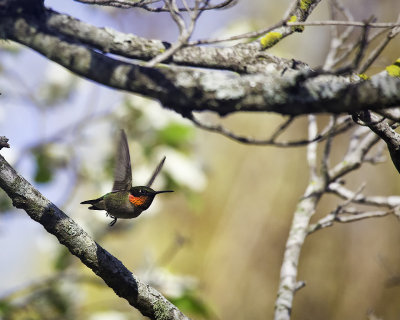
54	93
48	303
63	259
5	308
147	127
47	162
176	135
139	127
191	304
44	166
58	86
5	202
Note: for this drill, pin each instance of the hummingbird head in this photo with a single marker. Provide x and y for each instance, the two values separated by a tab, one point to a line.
142	196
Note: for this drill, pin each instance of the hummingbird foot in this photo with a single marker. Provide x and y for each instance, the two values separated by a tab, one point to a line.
114	221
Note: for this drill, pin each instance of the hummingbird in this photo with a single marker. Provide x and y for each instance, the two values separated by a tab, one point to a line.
125	201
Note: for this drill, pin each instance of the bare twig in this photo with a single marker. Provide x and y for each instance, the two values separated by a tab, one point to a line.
326	154
328	220
361	24
343	125
378	50
338	38
346	217
361	47
339	50
246	35
281	27
185	32
312	147
149	5
379	201
354	156
298	232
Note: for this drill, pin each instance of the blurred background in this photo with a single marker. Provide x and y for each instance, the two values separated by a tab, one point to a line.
214	247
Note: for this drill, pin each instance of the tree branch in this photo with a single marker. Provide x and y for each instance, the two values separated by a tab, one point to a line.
379	201
329	131
238	59
149	5
125	284
285	91
346	217
385	132
4	142
298	232
319	180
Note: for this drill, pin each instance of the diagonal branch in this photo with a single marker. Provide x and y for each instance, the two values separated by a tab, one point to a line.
125	284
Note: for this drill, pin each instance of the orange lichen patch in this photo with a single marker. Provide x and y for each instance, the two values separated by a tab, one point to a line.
137	201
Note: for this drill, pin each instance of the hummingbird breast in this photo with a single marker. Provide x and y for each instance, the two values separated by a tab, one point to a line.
118	205
143	202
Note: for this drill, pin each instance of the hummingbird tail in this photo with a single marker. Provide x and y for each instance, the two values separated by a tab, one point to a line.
96	204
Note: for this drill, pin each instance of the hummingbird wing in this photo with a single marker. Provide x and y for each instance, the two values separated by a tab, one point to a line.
155	173
122	171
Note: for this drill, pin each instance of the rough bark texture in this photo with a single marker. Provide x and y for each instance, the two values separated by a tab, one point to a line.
271	85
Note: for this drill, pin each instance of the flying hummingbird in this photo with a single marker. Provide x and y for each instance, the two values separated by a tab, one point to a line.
125	201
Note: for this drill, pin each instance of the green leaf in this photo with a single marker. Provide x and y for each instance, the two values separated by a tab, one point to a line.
63	259
176	134
44	167
57	300
189	303
5	307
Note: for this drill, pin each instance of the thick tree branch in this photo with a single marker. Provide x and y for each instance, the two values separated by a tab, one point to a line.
126	285
286	91
242	59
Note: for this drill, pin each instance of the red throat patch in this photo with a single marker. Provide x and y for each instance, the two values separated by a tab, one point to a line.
137	201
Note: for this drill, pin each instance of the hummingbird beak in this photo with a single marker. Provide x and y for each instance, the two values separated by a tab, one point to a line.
164	191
